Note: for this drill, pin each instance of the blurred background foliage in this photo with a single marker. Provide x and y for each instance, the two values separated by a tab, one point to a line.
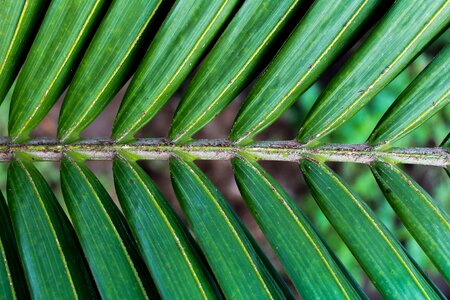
432	179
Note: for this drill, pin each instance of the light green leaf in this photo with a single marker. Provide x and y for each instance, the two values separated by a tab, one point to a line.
163	240
51	61
227	68
18	21
378	252
316	42
427	222
183	38
237	267
425	96
398	38
50	253
104	235
12	279
288	230
107	64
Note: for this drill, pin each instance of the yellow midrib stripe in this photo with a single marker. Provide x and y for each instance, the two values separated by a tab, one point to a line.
14	37
52	229
421	195
177	72
418	118
300	225
377	228
230	226
300	81
381	76
238	74
108	219
122	61
71	50
171	229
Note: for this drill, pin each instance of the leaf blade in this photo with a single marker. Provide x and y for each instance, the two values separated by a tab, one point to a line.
48	66
425	96
12	278
379	254
106	65
220	236
223	74
407	28
311	48
16	28
423	217
188	30
47	244
164	241
287	229
103	234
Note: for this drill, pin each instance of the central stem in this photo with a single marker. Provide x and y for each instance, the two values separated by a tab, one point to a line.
162	149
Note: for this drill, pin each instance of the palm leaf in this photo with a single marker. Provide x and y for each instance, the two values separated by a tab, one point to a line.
50	252
406	29
91	247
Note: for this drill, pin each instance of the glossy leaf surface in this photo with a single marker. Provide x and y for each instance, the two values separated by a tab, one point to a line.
315	43
165	243
50	253
427	222
187	31
18	23
377	251
395	41
288	230
104	235
425	96
237	267
51	60
107	64
226	69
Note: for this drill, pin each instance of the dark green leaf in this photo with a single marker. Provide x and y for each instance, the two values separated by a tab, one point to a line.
51	255
237	267
227	68
425	96
104	235
12	279
18	21
164	241
185	35
399	37
315	43
50	62
288	230
427	222
106	65
377	251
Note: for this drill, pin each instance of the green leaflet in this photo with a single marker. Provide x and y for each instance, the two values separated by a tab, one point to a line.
12	279
226	69
399	37
288	230
50	62
106	65
104	235
50	253
313	46
237	267
187	31
17	23
425	96
428	223
164	241
377	251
